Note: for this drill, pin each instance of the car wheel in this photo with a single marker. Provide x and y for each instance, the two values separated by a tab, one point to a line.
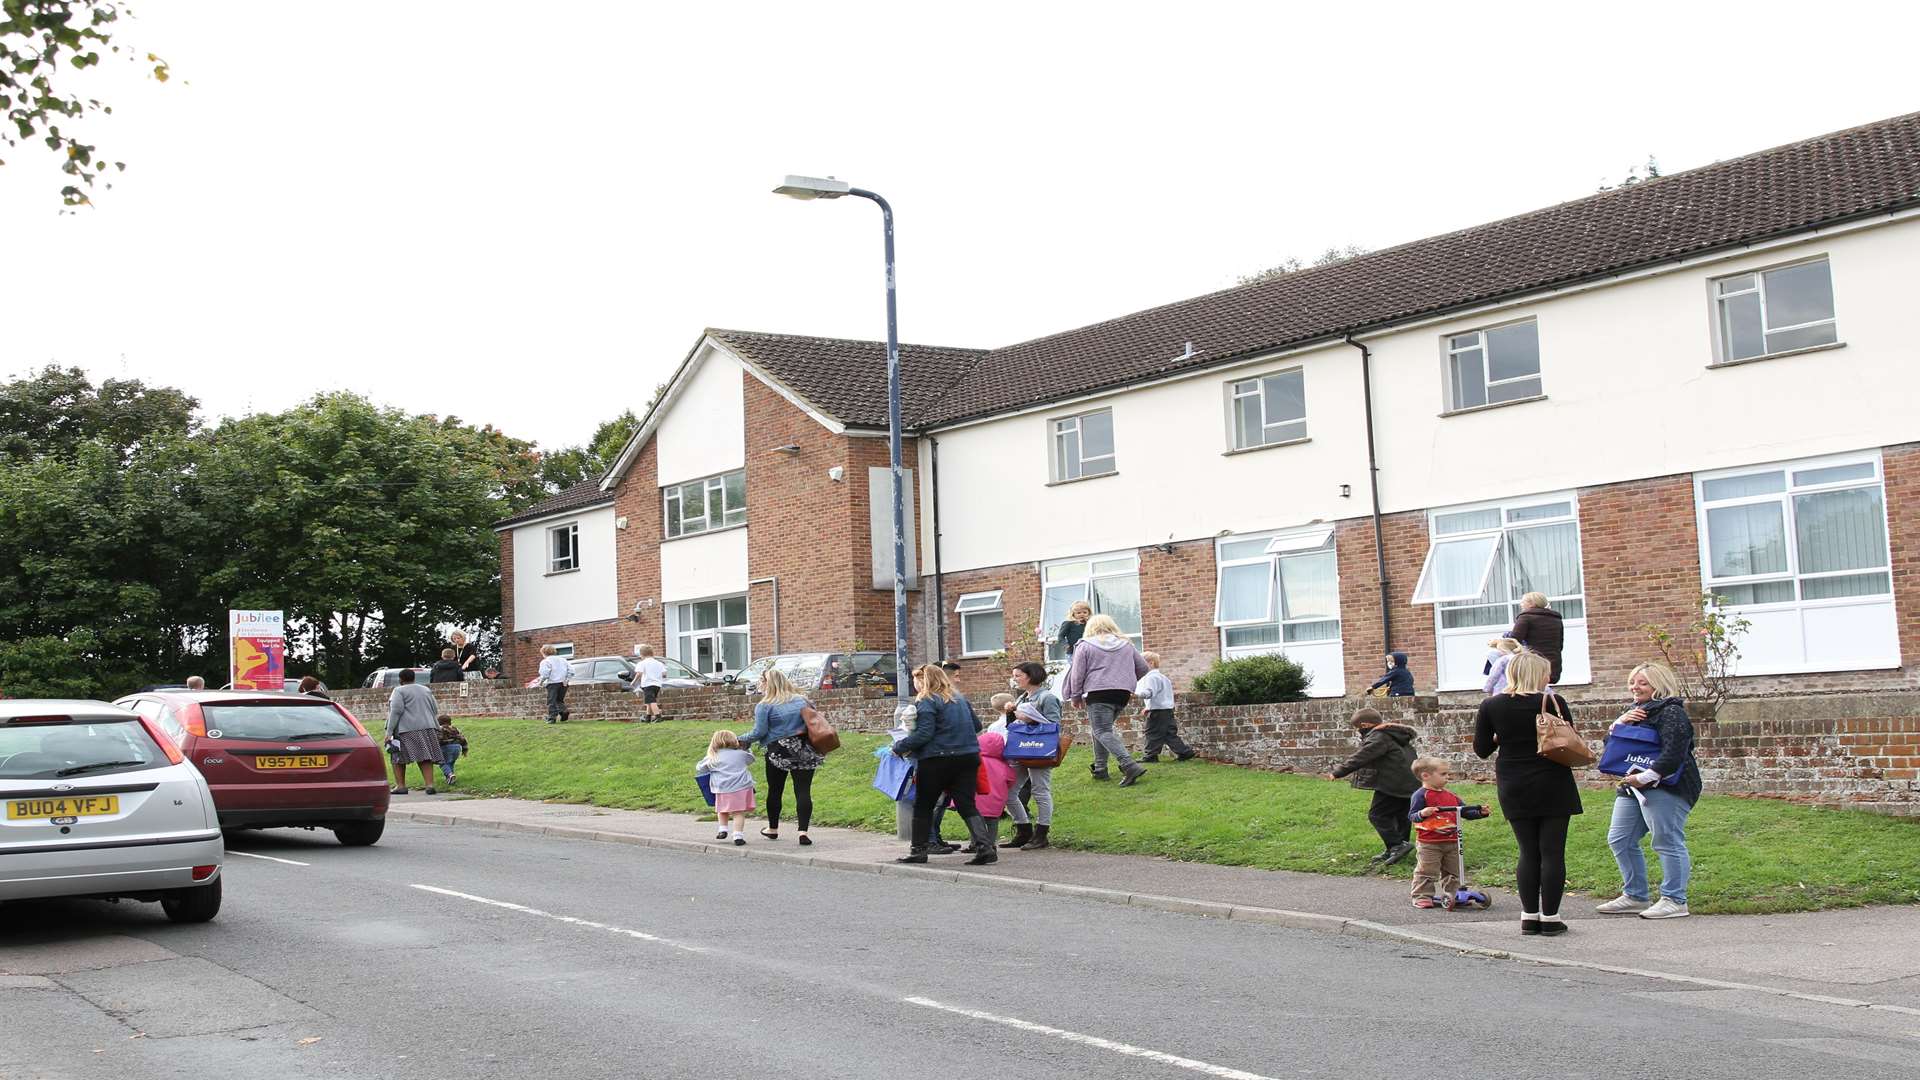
196	905
360	833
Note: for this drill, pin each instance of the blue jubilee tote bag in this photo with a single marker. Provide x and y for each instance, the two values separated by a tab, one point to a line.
1630	747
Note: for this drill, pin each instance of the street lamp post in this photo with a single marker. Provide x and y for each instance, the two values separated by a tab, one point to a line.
810	187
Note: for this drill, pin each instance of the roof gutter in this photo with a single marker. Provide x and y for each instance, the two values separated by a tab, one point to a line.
1373	484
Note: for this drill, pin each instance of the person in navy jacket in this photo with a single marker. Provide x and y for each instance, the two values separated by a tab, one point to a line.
1655	800
1398	680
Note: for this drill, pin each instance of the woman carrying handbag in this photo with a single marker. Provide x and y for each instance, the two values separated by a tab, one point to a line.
780	725
1530	728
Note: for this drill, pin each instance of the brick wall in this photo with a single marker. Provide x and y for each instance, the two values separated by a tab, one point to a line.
637	554
799	526
1405	537
1639	547
1176	608
1902	465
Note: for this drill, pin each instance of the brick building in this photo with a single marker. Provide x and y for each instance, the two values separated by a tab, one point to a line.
1699	383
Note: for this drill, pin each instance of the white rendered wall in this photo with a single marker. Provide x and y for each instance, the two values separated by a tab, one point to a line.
704	431
1628	396
575	596
697	567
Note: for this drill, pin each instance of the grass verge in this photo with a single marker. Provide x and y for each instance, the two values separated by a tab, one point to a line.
1750	855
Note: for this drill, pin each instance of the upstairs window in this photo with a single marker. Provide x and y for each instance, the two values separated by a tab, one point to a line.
1775	311
1268	410
563	548
983	623
1494	365
1083	446
717	502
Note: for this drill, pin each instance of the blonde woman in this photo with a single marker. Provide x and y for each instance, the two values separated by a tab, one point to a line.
945	746
780	725
1656	800
1105	669
1540	628
1538	797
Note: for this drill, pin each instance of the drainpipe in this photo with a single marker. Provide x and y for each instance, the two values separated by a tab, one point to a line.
1373	483
775	582
939	650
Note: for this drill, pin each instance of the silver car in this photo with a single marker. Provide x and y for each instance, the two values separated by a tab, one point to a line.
97	802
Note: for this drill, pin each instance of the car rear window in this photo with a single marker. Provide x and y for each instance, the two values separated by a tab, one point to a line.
275	721
52	750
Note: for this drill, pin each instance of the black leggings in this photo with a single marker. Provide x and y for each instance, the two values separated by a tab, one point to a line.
938	778
1542	872
802	795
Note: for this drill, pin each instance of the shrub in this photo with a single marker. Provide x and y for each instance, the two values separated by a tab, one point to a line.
1255	680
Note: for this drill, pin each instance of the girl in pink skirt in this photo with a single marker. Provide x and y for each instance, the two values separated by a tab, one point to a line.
729	773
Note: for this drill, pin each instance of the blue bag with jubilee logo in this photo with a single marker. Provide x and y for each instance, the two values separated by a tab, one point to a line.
705	784
1032	743
1630	747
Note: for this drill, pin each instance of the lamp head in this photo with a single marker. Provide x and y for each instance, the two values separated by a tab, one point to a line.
813	187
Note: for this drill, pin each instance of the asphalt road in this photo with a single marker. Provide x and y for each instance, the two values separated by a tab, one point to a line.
458	951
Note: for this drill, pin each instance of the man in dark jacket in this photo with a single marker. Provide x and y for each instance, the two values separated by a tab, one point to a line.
1384	766
446	669
1398	680
1539	628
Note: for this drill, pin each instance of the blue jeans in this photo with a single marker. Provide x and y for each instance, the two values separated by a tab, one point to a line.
1664	816
449	753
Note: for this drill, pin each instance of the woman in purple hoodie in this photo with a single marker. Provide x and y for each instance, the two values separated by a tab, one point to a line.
1105	669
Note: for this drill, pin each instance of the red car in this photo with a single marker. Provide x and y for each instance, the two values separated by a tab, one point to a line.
277	760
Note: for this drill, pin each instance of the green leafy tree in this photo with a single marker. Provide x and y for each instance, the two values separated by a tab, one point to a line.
43	44
53	412
49	667
561	469
1294	265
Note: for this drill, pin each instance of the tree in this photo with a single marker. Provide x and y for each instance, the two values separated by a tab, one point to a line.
52	413
36	38
561	469
1294	265
1636	174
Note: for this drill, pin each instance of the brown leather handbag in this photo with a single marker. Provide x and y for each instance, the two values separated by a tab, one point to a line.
1559	742
820	734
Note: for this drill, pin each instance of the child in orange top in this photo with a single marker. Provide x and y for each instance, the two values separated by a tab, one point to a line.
1436	814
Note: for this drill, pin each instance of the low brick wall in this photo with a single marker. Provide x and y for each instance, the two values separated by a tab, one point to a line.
1857	750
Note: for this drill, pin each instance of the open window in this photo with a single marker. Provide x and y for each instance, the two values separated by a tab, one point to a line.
983	623
1456	569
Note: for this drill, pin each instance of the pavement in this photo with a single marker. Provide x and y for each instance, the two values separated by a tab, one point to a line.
492	952
1862	957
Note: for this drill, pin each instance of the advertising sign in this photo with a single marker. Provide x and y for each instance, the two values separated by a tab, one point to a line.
258	643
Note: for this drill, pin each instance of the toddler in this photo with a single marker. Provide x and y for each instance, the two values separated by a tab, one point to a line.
1436	814
1500	653
452	745
1155	692
729	773
1002	712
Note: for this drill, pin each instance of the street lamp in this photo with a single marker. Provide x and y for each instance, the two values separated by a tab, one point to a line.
813	187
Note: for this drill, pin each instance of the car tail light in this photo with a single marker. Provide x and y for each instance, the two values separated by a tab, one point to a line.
826	679
202	873
195	721
165	740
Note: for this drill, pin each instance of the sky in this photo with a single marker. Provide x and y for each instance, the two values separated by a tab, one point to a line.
524	214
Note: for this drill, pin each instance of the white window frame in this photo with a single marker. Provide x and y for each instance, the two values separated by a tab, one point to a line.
1256	387
1086	583
1312	540
1479	335
980	603
1057	431
1723	346
683	639
713	491
1785	499
563	649
571	530
1511	515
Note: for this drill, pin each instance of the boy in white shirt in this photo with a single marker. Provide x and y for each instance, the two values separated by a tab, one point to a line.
649	681
554	671
1155	692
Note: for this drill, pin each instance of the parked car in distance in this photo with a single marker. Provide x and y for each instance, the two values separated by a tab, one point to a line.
679	675
821	671
100	803
277	761
389	677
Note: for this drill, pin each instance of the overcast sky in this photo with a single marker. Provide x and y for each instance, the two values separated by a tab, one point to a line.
480	209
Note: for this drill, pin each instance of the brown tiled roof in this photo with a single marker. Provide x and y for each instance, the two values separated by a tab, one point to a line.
1865	170
848	379
578	497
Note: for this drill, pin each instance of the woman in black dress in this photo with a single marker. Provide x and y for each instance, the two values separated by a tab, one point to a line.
1537	796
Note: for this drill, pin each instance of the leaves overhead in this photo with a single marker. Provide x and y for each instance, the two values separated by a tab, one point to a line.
43	44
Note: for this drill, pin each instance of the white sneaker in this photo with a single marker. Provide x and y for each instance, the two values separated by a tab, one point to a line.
1621	905
1664	908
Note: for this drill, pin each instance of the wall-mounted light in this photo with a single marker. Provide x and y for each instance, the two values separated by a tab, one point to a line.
1164	548
1346	491
837	473
620	523
789	449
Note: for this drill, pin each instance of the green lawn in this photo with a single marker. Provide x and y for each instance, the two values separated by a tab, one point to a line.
1750	855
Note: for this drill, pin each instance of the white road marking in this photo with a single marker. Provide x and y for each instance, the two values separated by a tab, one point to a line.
568	919
1091	1040
269	858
